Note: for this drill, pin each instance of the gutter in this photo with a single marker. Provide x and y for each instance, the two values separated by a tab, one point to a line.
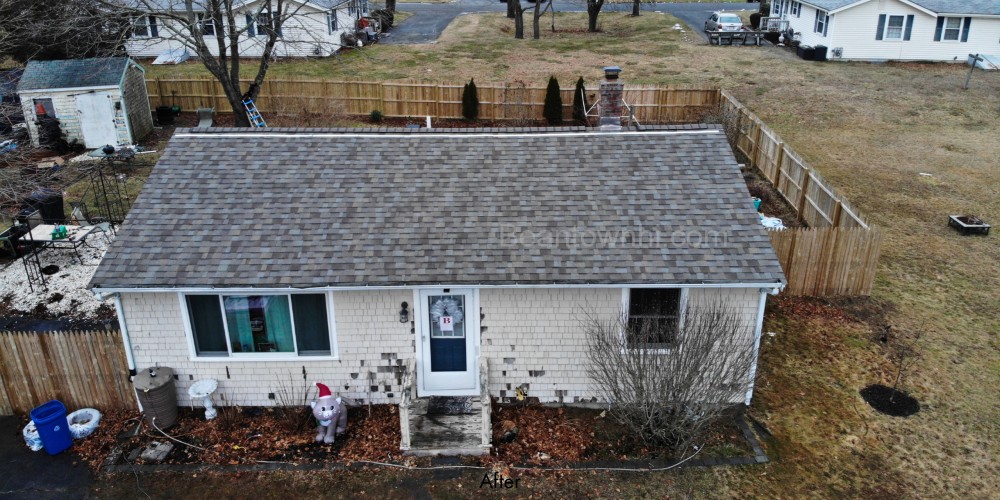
126	339
756	342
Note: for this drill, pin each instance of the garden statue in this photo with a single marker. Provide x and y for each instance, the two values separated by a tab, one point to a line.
331	415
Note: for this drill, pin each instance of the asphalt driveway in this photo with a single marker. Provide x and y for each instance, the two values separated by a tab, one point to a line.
430	19
37	475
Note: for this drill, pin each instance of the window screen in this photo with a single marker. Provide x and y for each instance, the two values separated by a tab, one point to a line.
312	329
206	324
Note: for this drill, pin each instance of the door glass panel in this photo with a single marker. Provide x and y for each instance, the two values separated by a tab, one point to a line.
447	316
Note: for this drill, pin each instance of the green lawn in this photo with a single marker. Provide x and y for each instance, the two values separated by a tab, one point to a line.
872	130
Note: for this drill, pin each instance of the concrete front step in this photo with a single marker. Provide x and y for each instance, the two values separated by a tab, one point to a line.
448	435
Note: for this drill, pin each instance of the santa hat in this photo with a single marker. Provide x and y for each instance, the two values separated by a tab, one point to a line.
324	391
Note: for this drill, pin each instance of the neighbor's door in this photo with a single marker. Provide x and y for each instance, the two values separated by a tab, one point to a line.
97	119
449	342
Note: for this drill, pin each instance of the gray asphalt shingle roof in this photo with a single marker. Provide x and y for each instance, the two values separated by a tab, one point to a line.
972	7
73	73
299	208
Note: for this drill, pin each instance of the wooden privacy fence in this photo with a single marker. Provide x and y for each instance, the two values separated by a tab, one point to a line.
838	254
442	100
81	369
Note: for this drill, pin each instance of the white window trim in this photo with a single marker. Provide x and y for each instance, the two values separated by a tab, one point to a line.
682	308
902	29
240	357
944	29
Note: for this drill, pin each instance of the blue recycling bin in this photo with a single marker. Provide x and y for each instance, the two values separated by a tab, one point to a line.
53	428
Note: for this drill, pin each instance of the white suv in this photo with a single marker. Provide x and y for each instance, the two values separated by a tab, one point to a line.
720	21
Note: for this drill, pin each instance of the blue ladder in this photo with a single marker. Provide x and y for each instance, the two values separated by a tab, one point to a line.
253	114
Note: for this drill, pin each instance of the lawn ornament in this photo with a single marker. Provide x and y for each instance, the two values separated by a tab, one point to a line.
330	414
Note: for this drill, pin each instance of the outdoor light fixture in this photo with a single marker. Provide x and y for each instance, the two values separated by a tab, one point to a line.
404	313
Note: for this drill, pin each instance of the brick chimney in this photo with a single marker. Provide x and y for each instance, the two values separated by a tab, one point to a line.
611	99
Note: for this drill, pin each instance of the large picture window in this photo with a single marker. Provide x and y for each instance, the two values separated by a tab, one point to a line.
282	325
653	317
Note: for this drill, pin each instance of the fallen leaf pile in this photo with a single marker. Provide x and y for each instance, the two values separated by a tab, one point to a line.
544	435
249	435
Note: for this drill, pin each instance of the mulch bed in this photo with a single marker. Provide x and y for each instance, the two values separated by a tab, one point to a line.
889	401
565	435
242	436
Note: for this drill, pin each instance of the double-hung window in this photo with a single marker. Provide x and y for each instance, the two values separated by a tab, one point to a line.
206	24
145	27
331	22
894	27
951	29
776	7
822	22
654	317
796	8
235	325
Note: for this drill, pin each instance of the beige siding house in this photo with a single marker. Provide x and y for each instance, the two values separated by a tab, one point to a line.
311	28
900	30
98	102
344	256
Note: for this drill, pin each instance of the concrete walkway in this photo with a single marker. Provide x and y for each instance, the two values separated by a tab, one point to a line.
38	475
429	20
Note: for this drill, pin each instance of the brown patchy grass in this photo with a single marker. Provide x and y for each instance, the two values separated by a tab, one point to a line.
870	129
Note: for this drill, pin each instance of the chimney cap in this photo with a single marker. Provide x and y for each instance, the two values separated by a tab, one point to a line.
611	72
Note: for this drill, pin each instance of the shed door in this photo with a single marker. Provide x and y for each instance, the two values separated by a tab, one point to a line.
97	119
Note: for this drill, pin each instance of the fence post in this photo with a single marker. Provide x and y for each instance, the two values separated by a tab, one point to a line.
801	205
756	142
777	164
837	209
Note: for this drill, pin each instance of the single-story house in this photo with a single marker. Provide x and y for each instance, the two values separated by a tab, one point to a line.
904	30
312	27
97	101
269	256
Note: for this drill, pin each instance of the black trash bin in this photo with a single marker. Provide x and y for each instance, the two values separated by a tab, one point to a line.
164	115
806	52
820	54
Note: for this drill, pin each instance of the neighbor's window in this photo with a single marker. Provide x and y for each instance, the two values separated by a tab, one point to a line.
331	21
952	28
653	317
894	27
776	7
822	19
295	324
206	24
145	27
796	8
263	19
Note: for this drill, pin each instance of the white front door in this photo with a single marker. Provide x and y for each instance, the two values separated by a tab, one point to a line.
448	342
97	119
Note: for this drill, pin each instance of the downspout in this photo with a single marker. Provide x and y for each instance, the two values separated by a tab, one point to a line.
756	344
125	337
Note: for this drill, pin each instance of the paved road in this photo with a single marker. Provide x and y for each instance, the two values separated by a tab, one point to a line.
36	475
430	19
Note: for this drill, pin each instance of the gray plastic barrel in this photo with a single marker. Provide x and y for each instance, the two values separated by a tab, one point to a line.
157	395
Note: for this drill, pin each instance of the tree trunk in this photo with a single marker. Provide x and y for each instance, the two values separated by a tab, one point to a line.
536	29
593	9
518	19
511	10
635	8
390	5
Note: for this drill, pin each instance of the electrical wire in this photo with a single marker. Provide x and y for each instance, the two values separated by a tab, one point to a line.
168	436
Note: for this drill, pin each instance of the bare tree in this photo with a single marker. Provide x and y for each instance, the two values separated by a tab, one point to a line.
667	381
59	29
211	31
904	353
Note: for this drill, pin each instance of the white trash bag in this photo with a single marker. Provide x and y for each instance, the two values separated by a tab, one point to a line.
31	437
82	423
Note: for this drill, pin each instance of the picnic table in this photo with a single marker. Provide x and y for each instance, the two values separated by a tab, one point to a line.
743	36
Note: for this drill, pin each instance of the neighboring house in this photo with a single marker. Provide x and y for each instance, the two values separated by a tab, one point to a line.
915	30
8	85
97	101
272	258
313	28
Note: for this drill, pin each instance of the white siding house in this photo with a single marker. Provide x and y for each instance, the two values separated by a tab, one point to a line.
313	29
337	266
904	30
